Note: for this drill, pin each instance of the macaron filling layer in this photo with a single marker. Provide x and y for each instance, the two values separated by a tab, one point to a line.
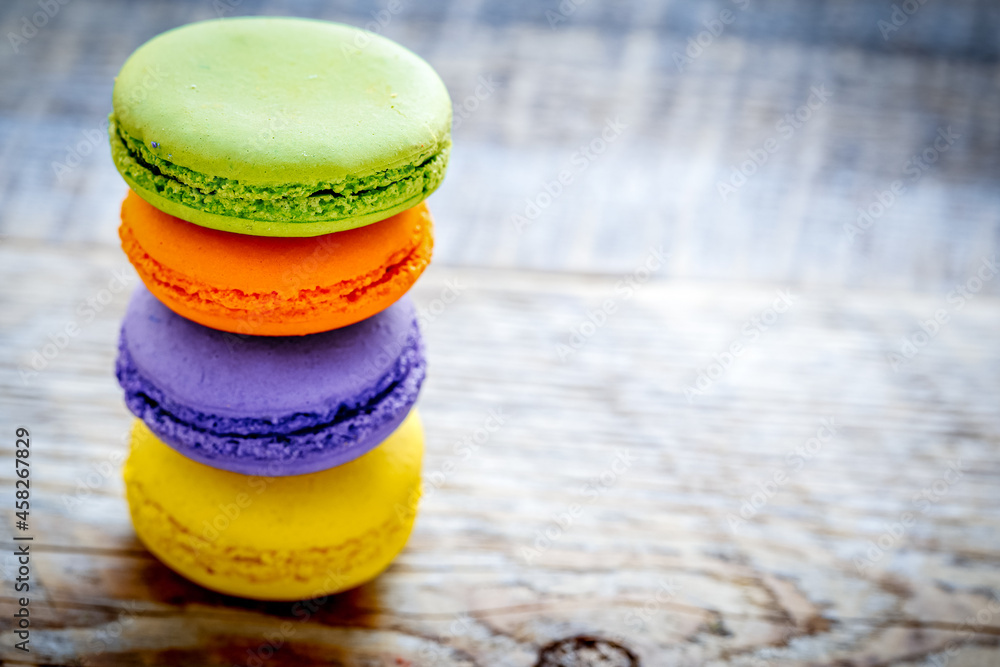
285	444
361	198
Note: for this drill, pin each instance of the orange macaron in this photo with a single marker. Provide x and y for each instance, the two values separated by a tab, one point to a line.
266	286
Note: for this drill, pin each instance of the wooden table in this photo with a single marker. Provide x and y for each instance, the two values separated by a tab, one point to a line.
753	457
609	502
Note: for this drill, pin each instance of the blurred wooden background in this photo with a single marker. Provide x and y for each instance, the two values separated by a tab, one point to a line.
556	82
658	563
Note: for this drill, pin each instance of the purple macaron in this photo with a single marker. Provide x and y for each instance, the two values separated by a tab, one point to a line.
266	405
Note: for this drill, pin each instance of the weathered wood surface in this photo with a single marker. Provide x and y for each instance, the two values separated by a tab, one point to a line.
551	88
649	561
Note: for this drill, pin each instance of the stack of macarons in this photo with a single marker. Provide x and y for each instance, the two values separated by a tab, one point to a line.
277	169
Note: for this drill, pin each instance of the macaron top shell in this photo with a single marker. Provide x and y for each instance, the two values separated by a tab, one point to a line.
272	101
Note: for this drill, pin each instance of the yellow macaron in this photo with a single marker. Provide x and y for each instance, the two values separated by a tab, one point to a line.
276	538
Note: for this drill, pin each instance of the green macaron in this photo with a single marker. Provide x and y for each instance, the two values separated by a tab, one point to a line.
279	126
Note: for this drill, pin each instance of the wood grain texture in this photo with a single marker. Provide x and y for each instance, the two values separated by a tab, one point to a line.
553	85
648	559
686	507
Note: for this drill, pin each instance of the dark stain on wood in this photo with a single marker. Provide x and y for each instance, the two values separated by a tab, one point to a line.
586	651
